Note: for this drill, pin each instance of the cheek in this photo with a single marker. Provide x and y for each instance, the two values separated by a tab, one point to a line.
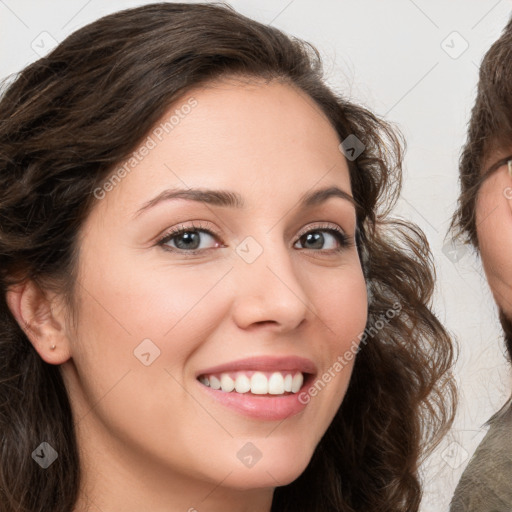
341	298
137	331
173	307
341	304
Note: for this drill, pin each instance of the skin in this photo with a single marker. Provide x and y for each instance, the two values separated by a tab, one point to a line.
150	437
494	227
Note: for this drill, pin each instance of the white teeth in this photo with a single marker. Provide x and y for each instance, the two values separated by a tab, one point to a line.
214	382
276	384
287	382
257	384
297	382
242	383
227	383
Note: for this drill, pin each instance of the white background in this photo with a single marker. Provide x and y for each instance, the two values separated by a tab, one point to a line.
389	56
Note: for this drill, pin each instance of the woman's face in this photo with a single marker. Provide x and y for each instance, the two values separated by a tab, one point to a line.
263	284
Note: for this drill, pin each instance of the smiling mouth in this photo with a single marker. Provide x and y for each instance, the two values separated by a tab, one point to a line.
276	383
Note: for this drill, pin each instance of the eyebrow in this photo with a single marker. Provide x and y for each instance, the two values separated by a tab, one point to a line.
232	199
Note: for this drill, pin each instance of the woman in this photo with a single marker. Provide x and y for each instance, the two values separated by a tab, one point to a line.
194	247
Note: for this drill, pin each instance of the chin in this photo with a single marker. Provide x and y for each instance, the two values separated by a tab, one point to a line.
271	471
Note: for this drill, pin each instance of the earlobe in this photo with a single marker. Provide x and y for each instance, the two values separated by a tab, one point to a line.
42	321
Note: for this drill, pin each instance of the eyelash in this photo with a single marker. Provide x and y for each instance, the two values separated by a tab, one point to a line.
343	239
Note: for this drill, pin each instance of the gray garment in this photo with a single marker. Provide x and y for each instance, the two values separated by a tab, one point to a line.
486	484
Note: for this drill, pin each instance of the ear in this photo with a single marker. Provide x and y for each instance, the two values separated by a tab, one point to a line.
41	315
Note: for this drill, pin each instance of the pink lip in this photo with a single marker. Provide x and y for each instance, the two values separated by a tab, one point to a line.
264	407
264	363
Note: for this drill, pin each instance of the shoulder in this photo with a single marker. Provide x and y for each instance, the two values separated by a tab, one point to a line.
485	485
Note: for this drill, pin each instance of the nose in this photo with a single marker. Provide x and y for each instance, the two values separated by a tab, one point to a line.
270	291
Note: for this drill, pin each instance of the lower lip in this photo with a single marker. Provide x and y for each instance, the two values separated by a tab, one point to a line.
264	407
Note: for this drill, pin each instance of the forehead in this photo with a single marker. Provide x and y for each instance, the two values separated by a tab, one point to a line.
261	138
271	113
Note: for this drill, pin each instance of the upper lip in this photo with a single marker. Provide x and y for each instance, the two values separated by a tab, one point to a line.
264	363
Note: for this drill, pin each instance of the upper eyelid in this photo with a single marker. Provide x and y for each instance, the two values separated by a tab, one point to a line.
323	225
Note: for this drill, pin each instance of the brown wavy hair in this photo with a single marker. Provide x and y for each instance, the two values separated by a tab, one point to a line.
489	132
69	118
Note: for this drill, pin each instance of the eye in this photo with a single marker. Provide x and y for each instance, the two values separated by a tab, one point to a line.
195	239
317	238
191	239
